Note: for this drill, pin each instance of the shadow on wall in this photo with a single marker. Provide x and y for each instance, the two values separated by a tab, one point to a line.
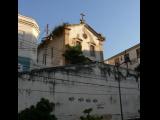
24	63
27	50
51	56
25	35
75	57
94	55
26	42
27	45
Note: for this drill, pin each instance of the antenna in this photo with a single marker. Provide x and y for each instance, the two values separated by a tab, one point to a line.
47	30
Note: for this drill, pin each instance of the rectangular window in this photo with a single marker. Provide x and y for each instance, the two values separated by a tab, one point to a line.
121	58
92	50
44	59
138	52
126	57
51	52
116	61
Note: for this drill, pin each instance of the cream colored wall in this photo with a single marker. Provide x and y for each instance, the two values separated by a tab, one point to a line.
58	44
79	30
30	20
58	47
57	59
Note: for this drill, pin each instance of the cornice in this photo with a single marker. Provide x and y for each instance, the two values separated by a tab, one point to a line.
29	22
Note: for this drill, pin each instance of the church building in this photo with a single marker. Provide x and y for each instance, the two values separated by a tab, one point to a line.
50	50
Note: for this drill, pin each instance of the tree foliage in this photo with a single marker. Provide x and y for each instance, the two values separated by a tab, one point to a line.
58	30
74	55
87	115
41	111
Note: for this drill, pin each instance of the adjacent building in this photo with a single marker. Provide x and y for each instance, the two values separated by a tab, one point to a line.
51	49
28	31
132	53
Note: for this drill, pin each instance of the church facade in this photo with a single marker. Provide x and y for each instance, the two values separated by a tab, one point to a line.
51	49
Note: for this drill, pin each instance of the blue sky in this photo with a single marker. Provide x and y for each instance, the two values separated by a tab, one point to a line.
117	20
